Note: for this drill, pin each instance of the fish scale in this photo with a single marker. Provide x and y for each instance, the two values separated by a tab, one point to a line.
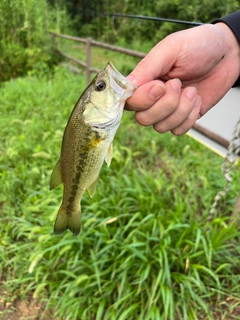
87	142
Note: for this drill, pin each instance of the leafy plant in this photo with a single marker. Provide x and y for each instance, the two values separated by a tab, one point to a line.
146	249
91	21
24	33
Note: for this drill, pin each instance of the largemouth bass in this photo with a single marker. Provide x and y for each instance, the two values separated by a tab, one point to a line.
87	142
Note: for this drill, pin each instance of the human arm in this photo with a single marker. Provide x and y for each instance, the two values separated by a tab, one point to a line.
191	71
233	22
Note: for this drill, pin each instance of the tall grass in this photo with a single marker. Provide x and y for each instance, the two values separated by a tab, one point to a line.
145	251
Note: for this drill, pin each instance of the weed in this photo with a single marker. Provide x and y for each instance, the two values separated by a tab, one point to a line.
146	249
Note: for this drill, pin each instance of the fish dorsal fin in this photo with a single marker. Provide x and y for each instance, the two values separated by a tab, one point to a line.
92	188
56	178
109	155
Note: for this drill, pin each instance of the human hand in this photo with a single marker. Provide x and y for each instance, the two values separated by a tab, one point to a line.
183	76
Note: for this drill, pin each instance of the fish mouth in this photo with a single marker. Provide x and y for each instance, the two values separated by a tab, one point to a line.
120	79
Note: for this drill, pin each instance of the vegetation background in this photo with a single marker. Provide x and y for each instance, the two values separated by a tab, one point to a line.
24	39
146	249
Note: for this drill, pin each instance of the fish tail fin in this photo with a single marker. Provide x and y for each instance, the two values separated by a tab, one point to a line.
66	221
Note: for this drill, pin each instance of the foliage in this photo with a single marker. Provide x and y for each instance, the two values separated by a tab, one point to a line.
90	21
146	249
25	42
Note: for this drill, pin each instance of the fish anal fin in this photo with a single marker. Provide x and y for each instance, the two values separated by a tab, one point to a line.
109	155
66	221
92	188
56	178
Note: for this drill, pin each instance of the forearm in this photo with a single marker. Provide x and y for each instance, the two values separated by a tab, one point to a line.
233	22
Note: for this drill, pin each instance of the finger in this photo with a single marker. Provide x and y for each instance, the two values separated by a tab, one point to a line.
145	96
187	124
156	63
187	101
163	107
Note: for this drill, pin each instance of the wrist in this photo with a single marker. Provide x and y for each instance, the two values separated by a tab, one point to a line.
232	45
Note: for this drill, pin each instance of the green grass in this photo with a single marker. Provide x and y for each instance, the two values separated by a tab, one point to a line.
100	56
146	249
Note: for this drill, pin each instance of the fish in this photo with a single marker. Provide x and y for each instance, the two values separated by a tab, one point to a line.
87	142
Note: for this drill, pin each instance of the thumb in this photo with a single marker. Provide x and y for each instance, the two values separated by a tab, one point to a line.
156	64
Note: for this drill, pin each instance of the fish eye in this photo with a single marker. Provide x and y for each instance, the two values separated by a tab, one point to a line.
100	86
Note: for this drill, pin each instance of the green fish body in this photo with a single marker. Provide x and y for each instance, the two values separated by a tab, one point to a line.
87	142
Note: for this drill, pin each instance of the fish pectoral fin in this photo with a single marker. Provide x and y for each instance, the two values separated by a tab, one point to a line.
92	188
56	178
109	155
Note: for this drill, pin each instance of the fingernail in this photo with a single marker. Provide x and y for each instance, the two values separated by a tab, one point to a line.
130	78
191	93
133	80
176	85
156	91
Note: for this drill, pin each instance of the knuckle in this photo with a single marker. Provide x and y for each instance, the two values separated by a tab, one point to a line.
171	103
